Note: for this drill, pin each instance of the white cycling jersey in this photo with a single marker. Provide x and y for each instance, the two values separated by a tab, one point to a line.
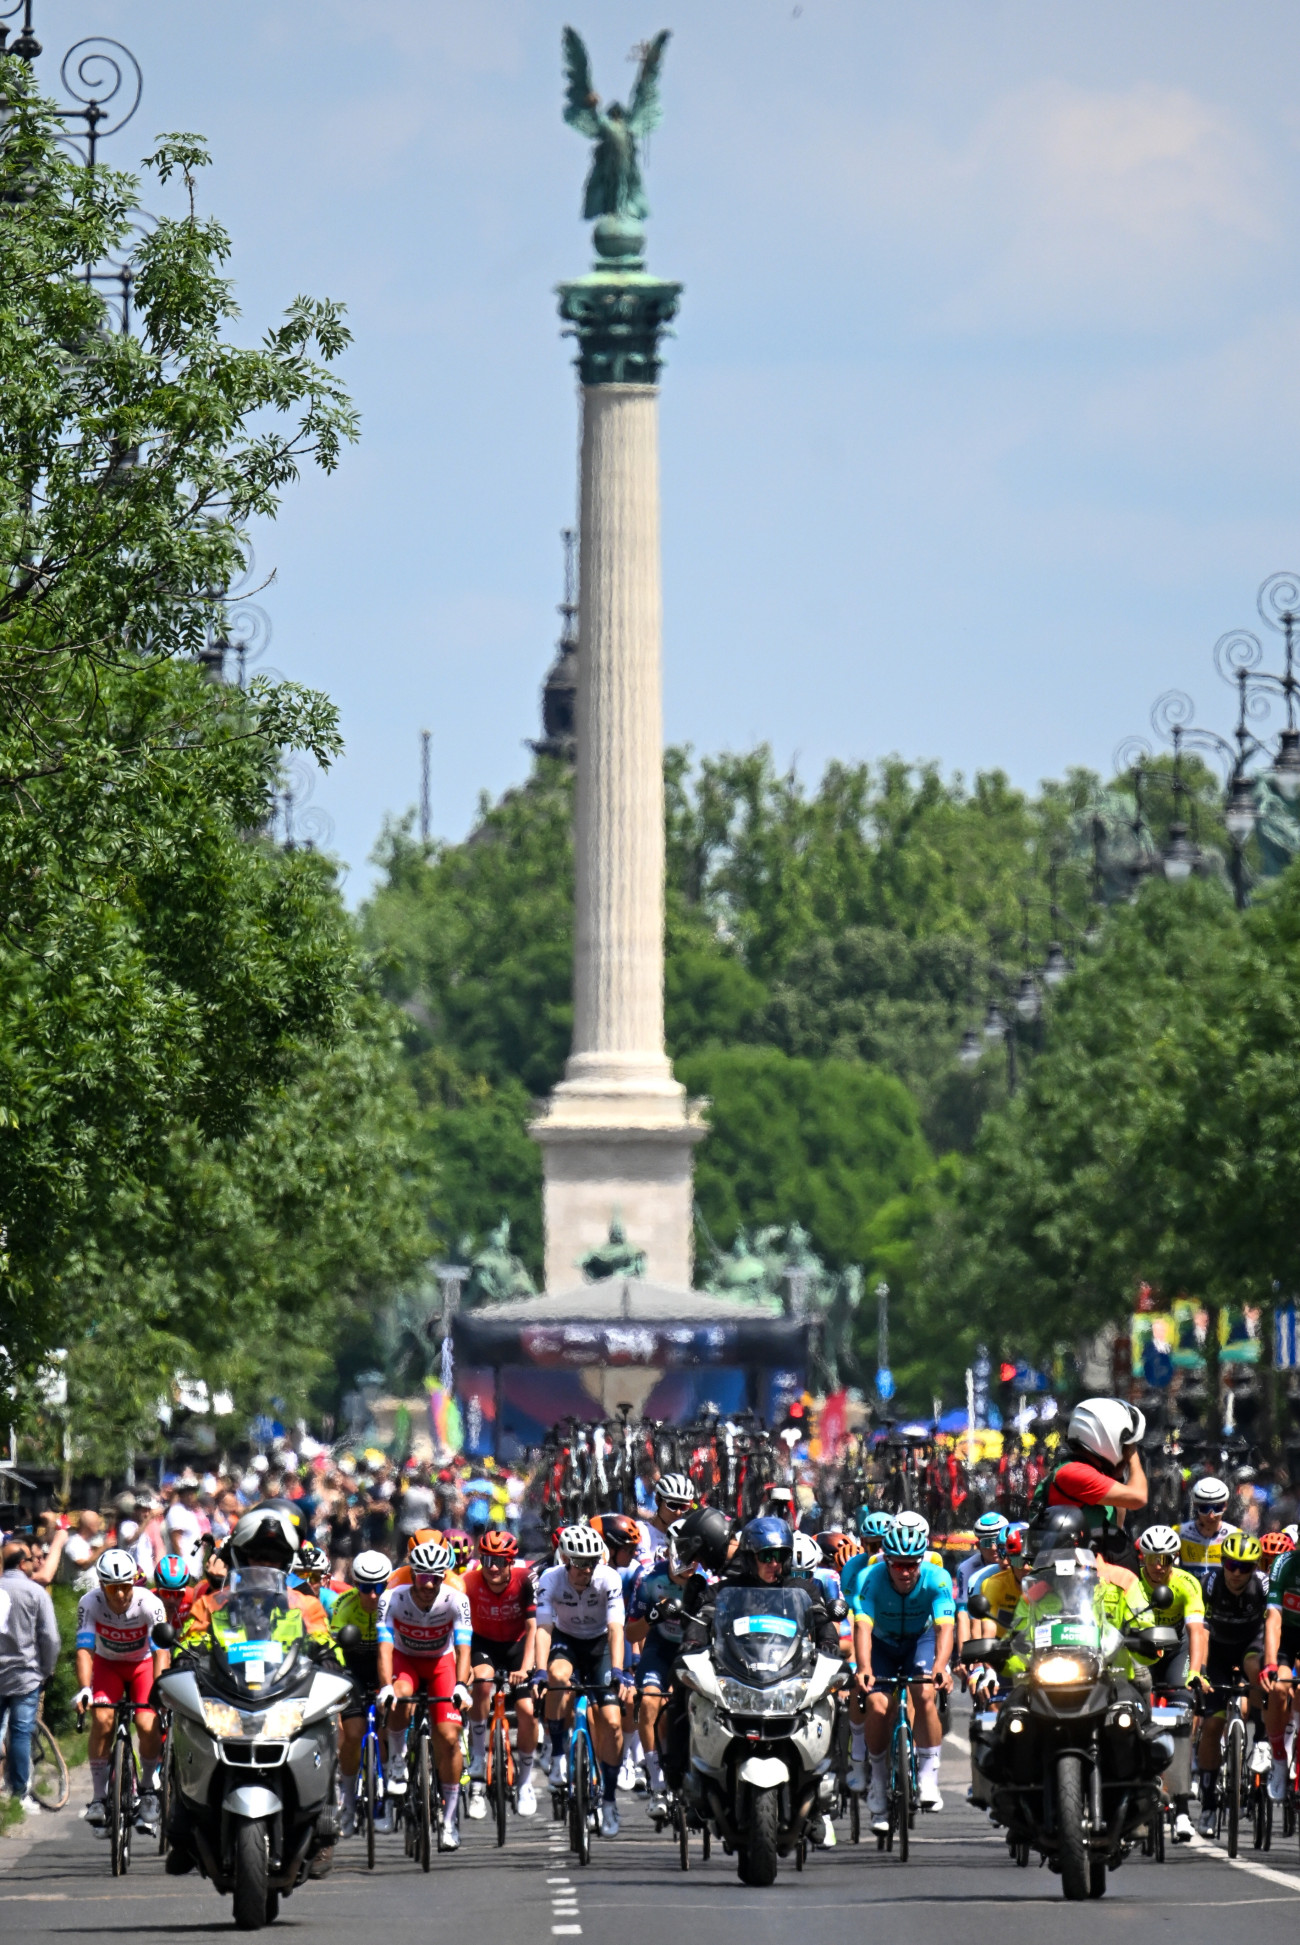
118	1637
423	1633
584	1614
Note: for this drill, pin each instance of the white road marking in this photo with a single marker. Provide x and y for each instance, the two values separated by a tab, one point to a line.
1203	1845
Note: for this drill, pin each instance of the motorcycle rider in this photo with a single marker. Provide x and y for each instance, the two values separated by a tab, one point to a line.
265	1536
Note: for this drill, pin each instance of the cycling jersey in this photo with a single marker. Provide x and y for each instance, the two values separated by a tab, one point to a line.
651	1584
118	1637
349	1612
1236	1621
1201	1556
1284	1595
1189	1600
962	1583
503	1616
424	1633
581	1614
1000	1588
899	1616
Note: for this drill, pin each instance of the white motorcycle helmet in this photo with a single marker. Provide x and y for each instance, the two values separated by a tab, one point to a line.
1107	1427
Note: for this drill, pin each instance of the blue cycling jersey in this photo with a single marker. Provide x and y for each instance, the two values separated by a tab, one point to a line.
963	1583
899	1616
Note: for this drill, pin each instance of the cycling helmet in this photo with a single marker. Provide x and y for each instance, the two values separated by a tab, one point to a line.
767	1534
172	1574
675	1487
1160	1539
617	1530
461	1546
1242	1550
432	1557
421	1536
805	1554
874	1526
497	1544
1292	1534
1014	1544
116	1568
1106	1427
702	1537
371	1569
915	1523
906	1541
264	1537
1274	1545
990	1529
843	1550
581	1546
1209	1495
314	1559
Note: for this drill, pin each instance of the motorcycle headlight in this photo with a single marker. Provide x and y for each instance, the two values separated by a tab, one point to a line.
1056	1670
784	1698
223	1721
283	1720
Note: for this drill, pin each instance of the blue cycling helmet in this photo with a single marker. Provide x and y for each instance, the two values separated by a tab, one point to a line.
874	1526
172	1575
905	1542
990	1527
767	1534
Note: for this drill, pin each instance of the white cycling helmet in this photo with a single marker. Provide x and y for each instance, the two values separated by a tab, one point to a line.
116	1568
806	1555
915	1521
1160	1539
431	1557
1105	1426
581	1546
675	1486
1209	1495
371	1569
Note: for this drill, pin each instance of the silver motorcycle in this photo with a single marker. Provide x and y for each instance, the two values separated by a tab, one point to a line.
254	1738
761	1720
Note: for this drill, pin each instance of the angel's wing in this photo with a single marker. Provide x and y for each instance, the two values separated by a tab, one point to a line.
581	100
646	109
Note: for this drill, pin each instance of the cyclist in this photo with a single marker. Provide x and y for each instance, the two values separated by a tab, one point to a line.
1000	1586
674	1499
1203	1535
988	1551
173	1583
462	1549
424	1636
502	1596
1158	1550
655	1625
358	1606
115	1657
622	1537
1281	1649
1236	1602
315	1568
903	1613
580	1632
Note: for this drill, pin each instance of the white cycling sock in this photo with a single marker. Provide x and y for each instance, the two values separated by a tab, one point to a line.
396	1747
654	1773
477	1744
526	1771
632	1746
98	1781
927	1761
858	1743
149	1781
450	1802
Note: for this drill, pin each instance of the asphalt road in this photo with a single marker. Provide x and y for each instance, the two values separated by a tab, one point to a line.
532	1892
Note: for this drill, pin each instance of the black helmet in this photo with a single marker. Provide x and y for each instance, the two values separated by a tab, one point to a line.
1058	1529
702	1538
264	1537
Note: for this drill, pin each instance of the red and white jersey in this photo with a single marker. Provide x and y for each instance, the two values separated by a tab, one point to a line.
118	1637
502	1616
423	1633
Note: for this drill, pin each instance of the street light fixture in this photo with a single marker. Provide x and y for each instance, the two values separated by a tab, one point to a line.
970	1053
1242	812
1285	774
995	1022
1180	857
1056	967
1029	1001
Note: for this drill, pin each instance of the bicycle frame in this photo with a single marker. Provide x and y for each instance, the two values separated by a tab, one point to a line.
370	1771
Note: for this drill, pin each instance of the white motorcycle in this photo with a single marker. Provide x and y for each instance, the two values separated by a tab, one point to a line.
761	1720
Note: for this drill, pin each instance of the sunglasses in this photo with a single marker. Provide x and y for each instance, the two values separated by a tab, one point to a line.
772	1557
905	1566
1238	1566
427	1580
1159	1560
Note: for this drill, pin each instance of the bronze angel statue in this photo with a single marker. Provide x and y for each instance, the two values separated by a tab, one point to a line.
614	185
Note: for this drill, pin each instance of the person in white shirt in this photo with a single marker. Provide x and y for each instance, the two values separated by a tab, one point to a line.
580	1620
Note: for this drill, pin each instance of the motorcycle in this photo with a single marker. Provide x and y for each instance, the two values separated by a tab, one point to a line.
1074	1755
761	1727
254	1720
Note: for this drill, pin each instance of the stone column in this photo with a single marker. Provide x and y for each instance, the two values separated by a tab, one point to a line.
617	1134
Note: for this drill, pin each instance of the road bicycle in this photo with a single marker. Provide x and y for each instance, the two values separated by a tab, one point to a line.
165	1761
423	1808
372	1801
122	1798
499	1770
901	1799
1233	1767
577	1799
49	1773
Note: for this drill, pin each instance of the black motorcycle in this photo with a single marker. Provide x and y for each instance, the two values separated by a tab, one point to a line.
1073	1756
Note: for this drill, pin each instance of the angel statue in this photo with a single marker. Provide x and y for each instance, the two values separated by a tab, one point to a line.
614	185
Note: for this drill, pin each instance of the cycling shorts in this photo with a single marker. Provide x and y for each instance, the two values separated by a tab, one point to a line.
111	1680
914	1655
1223	1668
655	1671
503	1657
1288	1649
437	1672
589	1660
363	1666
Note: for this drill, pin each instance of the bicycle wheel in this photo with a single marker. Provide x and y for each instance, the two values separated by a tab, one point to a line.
683	1837
369	1790
1232	1780
901	1808
706	1844
424	1802
164	1794
49	1771
120	1806
855	1818
580	1799
499	1757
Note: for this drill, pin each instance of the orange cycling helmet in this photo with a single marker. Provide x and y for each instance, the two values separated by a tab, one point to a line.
421	1537
497	1544
617	1530
1271	1545
844	1549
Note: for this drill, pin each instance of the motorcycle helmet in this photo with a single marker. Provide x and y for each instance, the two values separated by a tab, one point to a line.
1241	1550
433	1557
906	1541
703	1536
172	1575
264	1537
1059	1530
767	1535
581	1546
1106	1427
1209	1495
116	1568
805	1554
1160	1540
371	1569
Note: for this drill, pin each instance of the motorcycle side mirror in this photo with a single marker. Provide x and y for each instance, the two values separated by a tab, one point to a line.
1161	1598
349	1638
163	1635
978	1608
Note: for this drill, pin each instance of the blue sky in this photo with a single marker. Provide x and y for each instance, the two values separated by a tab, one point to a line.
981	421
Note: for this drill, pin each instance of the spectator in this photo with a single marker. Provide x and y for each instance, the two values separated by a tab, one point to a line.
181	1521
83	1547
225	1517
29	1650
46	1551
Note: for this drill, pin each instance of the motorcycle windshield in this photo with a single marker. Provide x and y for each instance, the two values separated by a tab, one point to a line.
759	1631
256	1631
1065	1602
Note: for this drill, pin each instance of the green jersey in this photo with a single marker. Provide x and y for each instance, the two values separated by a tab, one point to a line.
1189	1600
349	1610
1284	1595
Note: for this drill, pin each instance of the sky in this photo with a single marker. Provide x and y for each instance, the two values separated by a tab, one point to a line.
980	422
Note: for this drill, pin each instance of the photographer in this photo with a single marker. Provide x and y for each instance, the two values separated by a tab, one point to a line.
1101	1474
